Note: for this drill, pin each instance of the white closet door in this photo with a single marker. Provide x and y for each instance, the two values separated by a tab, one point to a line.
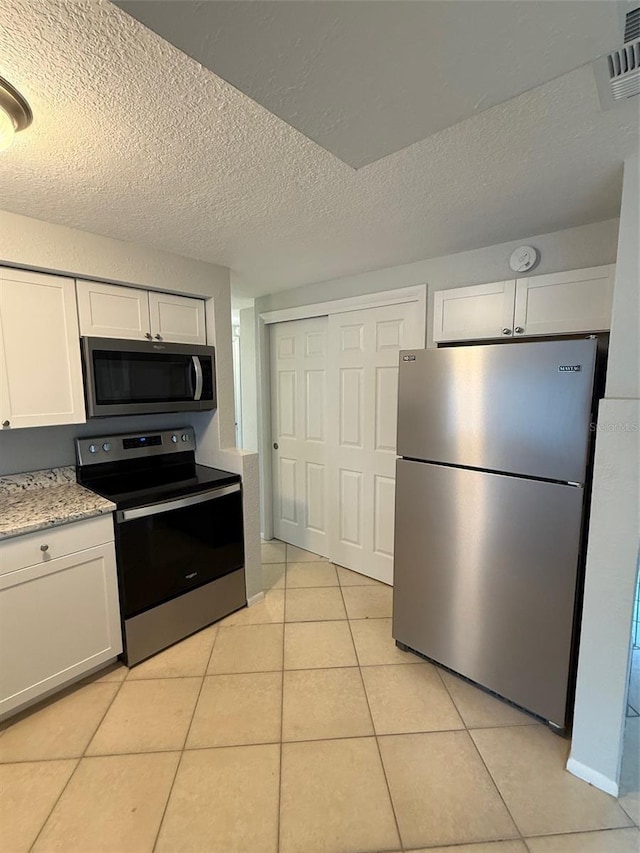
362	383
298	429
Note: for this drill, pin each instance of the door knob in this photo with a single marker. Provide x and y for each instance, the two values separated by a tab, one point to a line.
147	335
158	337
519	330
6	423
275	445
506	331
44	548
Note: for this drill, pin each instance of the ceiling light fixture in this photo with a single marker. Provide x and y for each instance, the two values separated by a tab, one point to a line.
15	113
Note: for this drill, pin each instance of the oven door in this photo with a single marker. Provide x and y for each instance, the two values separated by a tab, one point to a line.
169	548
139	377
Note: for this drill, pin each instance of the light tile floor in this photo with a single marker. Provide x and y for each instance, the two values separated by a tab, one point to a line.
296	726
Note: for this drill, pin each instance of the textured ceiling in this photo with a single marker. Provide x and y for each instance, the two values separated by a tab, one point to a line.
134	140
369	78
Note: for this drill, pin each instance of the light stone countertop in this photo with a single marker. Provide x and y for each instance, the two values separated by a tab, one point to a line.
39	500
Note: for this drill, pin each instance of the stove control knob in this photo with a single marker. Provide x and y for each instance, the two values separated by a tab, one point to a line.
93	448
106	447
185	436
174	439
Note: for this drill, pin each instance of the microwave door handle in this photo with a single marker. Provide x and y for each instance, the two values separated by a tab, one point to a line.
198	371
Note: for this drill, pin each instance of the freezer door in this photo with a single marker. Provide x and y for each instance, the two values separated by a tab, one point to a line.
485	579
522	408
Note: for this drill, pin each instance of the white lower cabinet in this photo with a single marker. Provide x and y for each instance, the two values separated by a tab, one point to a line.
59	616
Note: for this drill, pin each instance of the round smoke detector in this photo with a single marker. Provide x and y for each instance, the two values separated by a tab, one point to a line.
524	259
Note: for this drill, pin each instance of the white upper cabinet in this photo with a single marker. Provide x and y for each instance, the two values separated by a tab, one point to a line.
40	366
112	311
115	311
473	313
177	319
565	302
555	304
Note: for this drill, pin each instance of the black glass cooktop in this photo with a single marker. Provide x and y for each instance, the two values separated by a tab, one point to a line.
145	481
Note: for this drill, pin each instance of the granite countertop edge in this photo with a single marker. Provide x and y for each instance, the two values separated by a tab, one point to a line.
41	500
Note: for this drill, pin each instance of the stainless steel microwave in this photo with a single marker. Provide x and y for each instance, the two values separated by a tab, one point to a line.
144	377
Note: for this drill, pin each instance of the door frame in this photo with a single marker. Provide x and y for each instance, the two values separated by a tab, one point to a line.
417	294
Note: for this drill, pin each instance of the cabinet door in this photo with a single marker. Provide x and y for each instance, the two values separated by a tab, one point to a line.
58	620
112	311
177	318
473	313
40	367
565	302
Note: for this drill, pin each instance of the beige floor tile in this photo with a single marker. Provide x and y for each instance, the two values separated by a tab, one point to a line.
607	841
112	803
349	578
184	659
312	605
409	699
484	847
273	575
334	798
247	648
528	766
311	574
441	790
60	729
630	775
270	609
480	710
237	709
299	555
224	801
147	716
375	645
28	792
324	703
368	602
274	551
311	645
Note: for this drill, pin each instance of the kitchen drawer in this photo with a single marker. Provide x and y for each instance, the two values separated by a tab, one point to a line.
22	551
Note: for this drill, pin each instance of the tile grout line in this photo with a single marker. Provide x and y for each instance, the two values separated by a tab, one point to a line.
284	629
79	758
184	743
373	725
493	781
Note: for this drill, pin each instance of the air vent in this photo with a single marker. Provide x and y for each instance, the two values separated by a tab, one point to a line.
618	74
632	26
624	71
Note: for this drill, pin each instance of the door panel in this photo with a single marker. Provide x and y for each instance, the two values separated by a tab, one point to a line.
299	414
112	311
362	383
576	301
473	313
486	570
180	319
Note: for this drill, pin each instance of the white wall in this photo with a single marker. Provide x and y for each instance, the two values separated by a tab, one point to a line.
586	246
612	556
34	244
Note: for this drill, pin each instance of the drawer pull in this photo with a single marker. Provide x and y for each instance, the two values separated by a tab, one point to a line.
44	547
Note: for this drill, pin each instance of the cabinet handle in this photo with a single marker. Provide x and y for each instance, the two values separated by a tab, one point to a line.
6	423
519	330
147	335
158	337
44	548
506	331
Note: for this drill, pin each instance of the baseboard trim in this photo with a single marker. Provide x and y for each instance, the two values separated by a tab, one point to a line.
593	777
255	599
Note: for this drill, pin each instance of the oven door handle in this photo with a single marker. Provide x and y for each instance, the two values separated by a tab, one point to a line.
180	503
198	371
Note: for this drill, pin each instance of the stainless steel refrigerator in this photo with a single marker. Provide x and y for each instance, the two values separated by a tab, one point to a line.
490	503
